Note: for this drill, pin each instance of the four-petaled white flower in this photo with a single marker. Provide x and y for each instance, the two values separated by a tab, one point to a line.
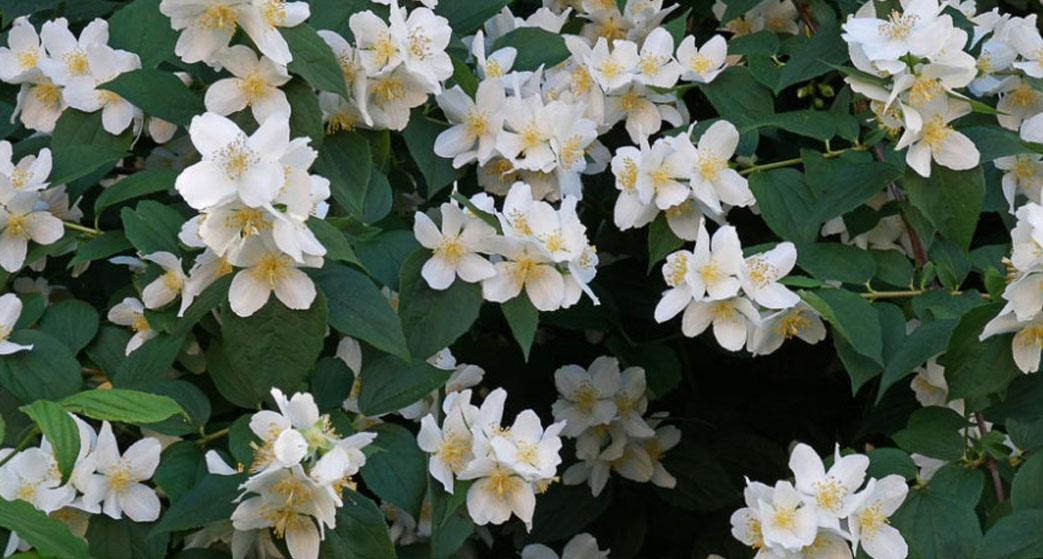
455	247
255	84
115	485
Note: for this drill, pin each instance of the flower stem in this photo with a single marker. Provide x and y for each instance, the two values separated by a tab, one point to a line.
874	295
796	161
990	462
82	229
202	441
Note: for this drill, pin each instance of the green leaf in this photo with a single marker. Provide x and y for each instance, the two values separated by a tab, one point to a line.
361	531
50	536
1026	491
337	246
105	245
927	341
741	100
139	184
152	226
81	147
950	262
737	8
141	28
786	203
49	371
147	363
886	461
181	467
331	383
892	267
358	309
451	525
124	539
420	137
345	160
935	525
959	482
660	362
390	384
122	405
522	318
73	322
399	473
158	93
661	241
382	255
851	317
810	57
314	60
58	426
276	346
836	261
463	77
839	185
33	307
933	431
950	200
192	400
211	500
762	42
994	142
432	319
466	16
1018	536
536	47
819	125
976	367
305	114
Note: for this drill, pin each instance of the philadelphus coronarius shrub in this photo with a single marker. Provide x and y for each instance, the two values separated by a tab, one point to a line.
557	279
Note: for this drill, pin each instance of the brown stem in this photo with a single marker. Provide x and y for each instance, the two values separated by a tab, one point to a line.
919	252
990	462
808	17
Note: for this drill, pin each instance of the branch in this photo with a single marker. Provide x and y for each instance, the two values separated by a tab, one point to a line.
990	462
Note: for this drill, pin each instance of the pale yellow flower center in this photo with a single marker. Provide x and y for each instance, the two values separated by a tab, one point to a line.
17	227
75	61
628	176
453	449
792	324
898	25
450	249
218	16
829	493
274	13
585	397
253	88
871	520
700	64
419	44
676	268
272	269
571	151
1030	336
935	131
27	58
387	90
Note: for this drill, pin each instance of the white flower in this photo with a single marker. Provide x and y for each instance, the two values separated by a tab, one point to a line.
40	103
801	321
916	30
131	312
710	270
19	59
1027	342
526	266
234	163
494	66
83	93
29	175
422	38
929	384
207	268
655	64
632	402
206	26
525	140
869	522
581	546
831	493
378	51
785	520
761	272
20	222
68	56
116	481
455	247
450	445
343	460
498	492
531	451
476	123
167	286
587	395
267	271
1028	42
732	319
702	65
255	84
390	96
615	69
10	310
261	23
712	180
289	502
929	135
632	207
32	476
747	524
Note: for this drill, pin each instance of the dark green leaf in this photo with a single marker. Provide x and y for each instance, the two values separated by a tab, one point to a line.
974	367
852	317
337	246
398	474
152	227
536	47
661	241
211	500
925	342
58	426
522	318
345	160
158	93
390	384
420	137
72	322
835	261
1026	491
103	246
314	60
305	114
1018	536
933	431
434	319
49	371
123	406
141	28
959	483
50	536
358	309
934	525
950	200
139	184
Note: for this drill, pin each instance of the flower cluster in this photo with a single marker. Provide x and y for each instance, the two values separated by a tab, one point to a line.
103	481
604	408
541	250
28	206
684	180
57	70
509	465
823	512
779	16
1023	312
299	471
254	195
392	67
741	297
207	26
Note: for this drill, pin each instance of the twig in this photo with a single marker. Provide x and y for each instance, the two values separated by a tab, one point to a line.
82	229
202	441
990	462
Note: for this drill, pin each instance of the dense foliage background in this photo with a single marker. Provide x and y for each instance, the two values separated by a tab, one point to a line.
811	151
